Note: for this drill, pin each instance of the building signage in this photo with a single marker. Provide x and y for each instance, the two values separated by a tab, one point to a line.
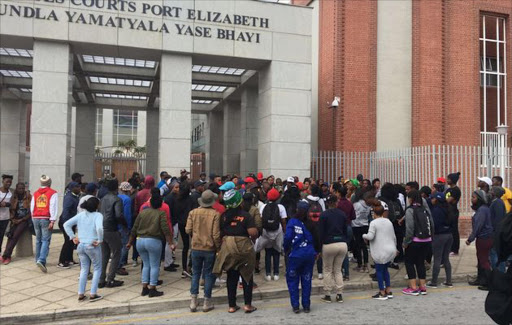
150	17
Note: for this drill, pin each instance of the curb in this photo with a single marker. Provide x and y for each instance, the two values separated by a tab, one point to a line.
167	305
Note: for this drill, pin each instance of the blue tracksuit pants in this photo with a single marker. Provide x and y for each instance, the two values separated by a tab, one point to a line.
300	270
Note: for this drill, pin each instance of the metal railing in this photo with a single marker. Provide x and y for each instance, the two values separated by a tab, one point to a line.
421	164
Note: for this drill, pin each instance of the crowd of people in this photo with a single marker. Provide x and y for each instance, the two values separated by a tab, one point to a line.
226	222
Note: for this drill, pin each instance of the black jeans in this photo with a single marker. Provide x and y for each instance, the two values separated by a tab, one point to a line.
271	256
456	237
415	255
3	228
360	245
399	234
111	245
186	245
17	231
66	252
232	284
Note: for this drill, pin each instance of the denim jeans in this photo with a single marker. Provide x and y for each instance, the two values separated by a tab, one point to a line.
149	250
493	256
43	239
382	272
88	255
125	236
202	261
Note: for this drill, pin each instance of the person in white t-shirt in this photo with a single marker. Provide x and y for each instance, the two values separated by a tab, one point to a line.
5	205
273	217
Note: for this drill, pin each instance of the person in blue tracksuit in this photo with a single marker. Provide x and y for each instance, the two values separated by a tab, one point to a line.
302	243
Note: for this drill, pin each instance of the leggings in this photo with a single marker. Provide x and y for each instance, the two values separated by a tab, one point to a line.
441	245
271	256
415	255
232	284
186	245
360	245
383	276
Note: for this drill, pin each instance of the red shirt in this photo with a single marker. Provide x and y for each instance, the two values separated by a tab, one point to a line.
219	207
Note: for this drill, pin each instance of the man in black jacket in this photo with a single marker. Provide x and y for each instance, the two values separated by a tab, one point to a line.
112	211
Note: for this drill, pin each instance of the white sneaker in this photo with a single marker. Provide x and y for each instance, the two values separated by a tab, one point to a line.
220	281
276	277
268	278
320	276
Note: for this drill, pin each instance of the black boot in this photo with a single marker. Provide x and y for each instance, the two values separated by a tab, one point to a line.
484	281
154	293
476	282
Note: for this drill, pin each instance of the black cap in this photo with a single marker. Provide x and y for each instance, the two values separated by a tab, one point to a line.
199	183
76	175
163	173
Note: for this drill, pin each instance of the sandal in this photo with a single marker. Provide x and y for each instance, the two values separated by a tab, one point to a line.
253	309
233	309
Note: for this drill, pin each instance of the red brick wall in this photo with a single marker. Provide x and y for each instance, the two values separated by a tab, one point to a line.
445	72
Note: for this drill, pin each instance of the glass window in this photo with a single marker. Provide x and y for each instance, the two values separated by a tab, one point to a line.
125	126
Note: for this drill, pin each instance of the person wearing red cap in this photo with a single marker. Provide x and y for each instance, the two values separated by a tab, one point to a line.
273	222
260	176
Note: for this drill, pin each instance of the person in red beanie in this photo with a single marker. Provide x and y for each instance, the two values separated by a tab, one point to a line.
273	222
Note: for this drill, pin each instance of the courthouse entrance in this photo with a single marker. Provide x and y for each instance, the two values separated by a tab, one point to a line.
246	65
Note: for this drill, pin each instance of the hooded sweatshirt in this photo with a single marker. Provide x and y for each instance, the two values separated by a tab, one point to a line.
143	195
497	207
316	199
362	213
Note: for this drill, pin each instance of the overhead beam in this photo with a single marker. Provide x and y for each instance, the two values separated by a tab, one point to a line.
16	82
15	63
118	102
207	95
215	79
119	89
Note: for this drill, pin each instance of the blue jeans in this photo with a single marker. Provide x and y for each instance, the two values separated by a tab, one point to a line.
493	256
382	275
88	255
202	261
125	236
149	250
43	239
300	270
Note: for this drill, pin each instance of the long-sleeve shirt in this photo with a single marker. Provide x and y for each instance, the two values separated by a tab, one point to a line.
362	211
498	212
332	226
409	226
151	223
300	240
481	224
89	226
54	206
69	207
348	208
381	235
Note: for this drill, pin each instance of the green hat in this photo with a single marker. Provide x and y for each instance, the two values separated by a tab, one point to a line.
232	199
355	182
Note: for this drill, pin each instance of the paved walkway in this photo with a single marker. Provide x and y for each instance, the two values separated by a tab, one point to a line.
25	289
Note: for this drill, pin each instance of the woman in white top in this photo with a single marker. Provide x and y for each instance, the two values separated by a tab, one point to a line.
381	236
5	205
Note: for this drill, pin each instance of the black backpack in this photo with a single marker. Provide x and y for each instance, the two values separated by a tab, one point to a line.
395	210
314	211
271	218
422	226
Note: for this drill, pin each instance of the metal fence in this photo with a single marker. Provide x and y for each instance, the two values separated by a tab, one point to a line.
421	164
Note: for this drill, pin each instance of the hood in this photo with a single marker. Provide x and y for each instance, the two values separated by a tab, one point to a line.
149	182
498	191
313	198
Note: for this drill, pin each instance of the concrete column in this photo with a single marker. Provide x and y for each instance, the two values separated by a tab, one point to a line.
249	131
85	141
284	119
152	154
51	114
141	128
107	129
231	138
214	143
10	116
394	74
175	113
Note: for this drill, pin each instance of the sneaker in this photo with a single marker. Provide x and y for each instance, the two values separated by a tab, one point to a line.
423	291
326	299
63	266
268	278
452	254
170	268
82	298
296	310
185	274
73	263
145	291
220	281
339	298
431	285
42	267
121	272
114	284
95	298
307	310
346	278
276	277
448	285
411	292
320	276
483	288
155	293
390	295
175	265
6	260
394	266
379	296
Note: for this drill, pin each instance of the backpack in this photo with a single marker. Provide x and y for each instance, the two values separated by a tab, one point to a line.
271	218
422	226
314	211
395	210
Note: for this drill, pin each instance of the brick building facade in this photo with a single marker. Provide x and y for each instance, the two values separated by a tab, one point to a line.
435	66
